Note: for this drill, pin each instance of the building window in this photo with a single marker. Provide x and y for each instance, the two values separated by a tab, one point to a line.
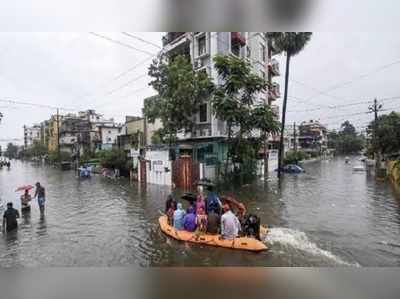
248	52
235	49
262	52
108	139
263	75
202	45
203	113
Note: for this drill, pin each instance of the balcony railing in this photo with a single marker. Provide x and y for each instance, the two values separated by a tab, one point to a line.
273	67
275	110
274	91
171	36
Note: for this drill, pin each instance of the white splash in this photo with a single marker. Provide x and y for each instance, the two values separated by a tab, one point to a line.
299	241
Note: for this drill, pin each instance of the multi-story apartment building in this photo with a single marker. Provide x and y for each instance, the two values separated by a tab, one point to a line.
44	133
313	137
53	129
31	134
209	132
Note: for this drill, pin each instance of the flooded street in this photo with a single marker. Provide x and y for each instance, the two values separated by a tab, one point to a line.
329	216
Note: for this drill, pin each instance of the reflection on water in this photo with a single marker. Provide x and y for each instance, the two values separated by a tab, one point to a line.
328	216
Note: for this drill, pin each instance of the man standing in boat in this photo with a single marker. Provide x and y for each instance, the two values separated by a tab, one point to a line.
230	225
41	197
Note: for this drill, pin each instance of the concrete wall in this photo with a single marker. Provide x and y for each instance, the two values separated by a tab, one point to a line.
158	168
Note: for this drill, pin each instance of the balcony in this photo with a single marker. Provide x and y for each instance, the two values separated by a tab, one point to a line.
274	92
273	67
238	38
171	37
275	111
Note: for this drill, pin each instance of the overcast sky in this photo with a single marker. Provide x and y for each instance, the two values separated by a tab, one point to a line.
79	71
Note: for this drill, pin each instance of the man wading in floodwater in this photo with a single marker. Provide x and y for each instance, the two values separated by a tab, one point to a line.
41	197
10	218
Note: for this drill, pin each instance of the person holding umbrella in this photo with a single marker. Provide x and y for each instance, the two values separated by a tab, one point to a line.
25	202
26	198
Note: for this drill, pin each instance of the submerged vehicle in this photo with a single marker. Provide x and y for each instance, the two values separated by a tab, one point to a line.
292	168
359	168
241	243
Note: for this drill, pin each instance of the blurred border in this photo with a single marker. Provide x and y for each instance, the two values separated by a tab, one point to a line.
192	15
98	283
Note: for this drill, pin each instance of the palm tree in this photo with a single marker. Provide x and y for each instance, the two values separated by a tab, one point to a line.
291	43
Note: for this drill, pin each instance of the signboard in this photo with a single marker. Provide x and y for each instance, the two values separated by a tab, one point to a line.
134	153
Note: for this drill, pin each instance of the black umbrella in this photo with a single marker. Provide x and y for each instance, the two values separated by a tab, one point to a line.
190	197
205	182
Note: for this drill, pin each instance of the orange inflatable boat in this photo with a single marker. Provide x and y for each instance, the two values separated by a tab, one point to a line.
241	243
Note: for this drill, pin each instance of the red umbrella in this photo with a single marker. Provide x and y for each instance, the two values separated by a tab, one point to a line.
24	188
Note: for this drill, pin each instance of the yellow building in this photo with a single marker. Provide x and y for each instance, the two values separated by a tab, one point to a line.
53	133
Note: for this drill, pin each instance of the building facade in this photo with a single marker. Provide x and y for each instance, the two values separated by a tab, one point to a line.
313	137
205	143
32	134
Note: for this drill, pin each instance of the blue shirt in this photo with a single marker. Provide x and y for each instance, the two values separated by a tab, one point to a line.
178	219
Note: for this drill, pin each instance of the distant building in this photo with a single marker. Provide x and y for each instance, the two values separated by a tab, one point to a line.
53	124
31	134
75	134
313	137
108	136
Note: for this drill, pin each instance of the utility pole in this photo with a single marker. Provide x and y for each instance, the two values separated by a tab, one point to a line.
294	136
375	108
58	133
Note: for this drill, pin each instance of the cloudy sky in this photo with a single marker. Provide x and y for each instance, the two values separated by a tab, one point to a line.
78	71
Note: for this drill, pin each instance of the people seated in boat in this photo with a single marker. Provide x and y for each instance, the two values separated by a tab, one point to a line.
170	203
230	225
189	221
179	214
251	226
26	198
201	221
200	201
212	202
213	223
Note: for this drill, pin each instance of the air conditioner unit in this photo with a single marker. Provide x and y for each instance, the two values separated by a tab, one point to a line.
198	63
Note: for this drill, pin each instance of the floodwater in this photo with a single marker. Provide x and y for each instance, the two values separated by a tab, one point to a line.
328	216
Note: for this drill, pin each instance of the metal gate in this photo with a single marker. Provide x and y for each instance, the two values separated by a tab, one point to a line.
142	165
185	173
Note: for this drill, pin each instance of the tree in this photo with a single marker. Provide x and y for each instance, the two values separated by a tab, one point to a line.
181	90
291	43
234	103
114	158
386	134
11	151
347	140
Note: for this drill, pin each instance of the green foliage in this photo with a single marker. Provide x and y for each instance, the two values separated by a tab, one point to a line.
233	102
11	151
294	157
290	42
181	90
386	133
114	158
37	150
347	140
54	157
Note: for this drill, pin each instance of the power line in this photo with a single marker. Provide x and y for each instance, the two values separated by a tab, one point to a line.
141	39
35	105
121	43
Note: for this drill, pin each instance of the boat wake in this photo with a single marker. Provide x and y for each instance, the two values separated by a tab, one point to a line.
293	239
